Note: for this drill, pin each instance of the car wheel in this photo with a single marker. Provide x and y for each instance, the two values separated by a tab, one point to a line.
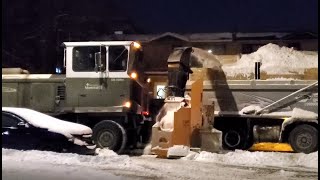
233	139
109	134
304	138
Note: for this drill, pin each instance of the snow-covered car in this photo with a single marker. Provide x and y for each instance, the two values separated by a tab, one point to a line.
26	129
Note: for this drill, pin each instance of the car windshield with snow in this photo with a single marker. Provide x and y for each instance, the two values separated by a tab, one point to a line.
27	129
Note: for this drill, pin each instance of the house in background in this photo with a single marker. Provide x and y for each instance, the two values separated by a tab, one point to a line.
228	47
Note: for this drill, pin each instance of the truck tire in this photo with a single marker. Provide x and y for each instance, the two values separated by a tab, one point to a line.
304	138
233	139
110	134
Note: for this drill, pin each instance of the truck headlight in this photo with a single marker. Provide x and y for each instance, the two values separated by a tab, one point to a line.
134	75
127	104
136	45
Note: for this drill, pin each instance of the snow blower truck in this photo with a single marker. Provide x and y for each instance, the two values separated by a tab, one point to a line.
231	114
104	88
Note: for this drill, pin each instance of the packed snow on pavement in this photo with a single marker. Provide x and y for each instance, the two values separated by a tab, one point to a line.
203	165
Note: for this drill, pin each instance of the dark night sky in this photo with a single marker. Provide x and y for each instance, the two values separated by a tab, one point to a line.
223	15
33	29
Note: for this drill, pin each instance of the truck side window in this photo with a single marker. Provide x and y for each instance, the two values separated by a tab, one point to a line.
84	58
118	57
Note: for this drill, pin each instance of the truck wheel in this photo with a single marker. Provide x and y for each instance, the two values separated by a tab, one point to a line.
233	139
109	134
304	138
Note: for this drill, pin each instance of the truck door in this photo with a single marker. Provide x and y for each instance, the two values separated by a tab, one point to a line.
86	80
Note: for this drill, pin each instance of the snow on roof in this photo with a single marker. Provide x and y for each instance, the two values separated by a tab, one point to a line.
41	120
274	59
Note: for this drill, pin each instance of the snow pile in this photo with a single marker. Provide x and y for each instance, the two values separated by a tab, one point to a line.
259	159
274	60
44	121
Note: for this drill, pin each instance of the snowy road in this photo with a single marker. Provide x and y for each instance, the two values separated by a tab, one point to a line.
108	165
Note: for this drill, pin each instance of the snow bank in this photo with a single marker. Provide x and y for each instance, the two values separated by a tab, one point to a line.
259	159
275	60
41	120
105	158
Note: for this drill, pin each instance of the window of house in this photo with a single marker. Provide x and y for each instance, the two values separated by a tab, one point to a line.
118	58
85	59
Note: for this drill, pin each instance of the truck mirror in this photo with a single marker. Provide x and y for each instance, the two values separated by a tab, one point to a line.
97	60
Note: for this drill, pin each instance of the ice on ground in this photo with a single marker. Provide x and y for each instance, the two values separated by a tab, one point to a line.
275	60
258	159
41	120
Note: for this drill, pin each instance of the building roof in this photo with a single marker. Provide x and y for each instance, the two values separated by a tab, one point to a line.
211	37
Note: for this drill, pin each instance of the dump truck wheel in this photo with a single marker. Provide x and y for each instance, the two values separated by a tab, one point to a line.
233	139
109	134
304	138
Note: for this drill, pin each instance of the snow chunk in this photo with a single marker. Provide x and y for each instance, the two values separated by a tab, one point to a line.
105	152
147	149
178	150
275	60
44	121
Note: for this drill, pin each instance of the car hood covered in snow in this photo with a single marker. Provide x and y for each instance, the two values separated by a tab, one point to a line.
44	121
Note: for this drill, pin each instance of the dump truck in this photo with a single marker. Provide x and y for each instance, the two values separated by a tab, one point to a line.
246	111
104	87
